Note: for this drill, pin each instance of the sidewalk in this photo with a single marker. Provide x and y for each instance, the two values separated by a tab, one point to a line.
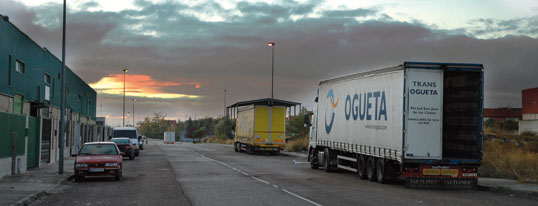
504	186
24	188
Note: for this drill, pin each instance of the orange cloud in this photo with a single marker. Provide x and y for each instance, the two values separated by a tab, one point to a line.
140	86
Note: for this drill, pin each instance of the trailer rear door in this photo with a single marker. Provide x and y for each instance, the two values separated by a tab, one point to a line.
424	109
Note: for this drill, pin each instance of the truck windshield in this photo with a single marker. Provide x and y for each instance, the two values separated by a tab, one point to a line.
120	141
125	133
99	149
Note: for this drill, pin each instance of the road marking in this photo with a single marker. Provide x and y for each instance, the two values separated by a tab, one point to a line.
296	195
258	179
297	162
261	180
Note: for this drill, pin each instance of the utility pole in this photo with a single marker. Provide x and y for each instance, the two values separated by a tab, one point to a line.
134	100
62	105
123	117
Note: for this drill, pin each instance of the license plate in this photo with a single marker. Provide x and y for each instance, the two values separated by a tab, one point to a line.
430	172
96	170
449	172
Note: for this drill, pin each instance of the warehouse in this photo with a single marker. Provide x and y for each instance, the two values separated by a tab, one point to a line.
529	109
30	93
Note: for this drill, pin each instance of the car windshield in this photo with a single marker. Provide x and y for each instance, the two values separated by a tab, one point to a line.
125	133
99	149
120	141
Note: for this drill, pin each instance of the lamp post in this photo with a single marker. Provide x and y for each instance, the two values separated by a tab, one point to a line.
62	104
272	45
134	100
225	103
123	118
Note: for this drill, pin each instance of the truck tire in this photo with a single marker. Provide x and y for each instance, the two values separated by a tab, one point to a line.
381	171
327	160
237	147
313	159
370	168
361	166
249	149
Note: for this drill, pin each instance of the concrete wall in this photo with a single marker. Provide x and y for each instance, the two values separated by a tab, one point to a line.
528	125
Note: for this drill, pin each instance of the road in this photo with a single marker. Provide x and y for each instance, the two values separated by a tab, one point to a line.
213	174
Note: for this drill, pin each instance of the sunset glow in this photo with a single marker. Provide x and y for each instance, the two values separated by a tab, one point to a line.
140	86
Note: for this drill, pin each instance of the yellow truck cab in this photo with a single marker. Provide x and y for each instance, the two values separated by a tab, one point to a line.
260	125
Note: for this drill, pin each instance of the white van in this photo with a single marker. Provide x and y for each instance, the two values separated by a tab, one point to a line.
129	132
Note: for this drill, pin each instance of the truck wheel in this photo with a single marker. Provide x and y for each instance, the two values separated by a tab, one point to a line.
249	150
380	168
313	158
370	168
327	160
237	147
361	166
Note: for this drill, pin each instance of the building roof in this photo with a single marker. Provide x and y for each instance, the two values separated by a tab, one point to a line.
266	101
503	112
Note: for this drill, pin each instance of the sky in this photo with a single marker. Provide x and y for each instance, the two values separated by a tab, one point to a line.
182	55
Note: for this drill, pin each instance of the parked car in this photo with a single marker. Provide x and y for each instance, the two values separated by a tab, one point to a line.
127	149
98	159
140	142
129	132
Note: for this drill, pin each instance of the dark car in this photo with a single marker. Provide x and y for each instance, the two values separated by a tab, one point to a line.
127	149
98	159
129	132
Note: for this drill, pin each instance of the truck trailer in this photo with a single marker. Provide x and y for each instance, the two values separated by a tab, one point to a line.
169	137
260	125
418	122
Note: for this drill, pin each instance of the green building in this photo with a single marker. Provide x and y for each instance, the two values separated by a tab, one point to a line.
30	98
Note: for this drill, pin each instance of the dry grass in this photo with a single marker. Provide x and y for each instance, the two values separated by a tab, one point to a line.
218	140
512	156
299	144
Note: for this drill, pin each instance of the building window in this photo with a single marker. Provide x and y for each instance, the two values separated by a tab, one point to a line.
19	67
18	104
66	91
47	78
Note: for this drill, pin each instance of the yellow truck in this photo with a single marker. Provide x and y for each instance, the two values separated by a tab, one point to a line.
260	125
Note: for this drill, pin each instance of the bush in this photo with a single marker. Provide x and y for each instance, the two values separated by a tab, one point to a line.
297	145
510	159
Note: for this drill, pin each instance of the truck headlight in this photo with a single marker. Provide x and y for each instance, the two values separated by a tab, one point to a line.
111	164
81	165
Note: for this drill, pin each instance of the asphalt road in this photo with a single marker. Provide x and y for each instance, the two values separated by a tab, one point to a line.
213	174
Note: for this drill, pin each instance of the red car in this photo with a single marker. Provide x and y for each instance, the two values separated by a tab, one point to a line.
98	159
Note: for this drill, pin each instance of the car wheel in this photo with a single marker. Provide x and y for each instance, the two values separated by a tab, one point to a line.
136	153
117	177
131	157
79	178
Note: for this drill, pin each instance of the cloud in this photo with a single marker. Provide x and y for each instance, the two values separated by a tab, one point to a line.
183	44
350	13
139	86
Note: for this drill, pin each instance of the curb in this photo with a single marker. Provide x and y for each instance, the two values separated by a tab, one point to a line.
510	192
33	197
294	154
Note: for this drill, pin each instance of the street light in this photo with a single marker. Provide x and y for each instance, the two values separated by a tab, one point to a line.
134	100
124	71
272	45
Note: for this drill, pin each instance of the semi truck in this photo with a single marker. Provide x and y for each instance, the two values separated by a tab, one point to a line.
260	125
169	137
420	122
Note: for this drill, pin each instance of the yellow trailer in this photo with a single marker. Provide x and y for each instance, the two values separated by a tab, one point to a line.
260	125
